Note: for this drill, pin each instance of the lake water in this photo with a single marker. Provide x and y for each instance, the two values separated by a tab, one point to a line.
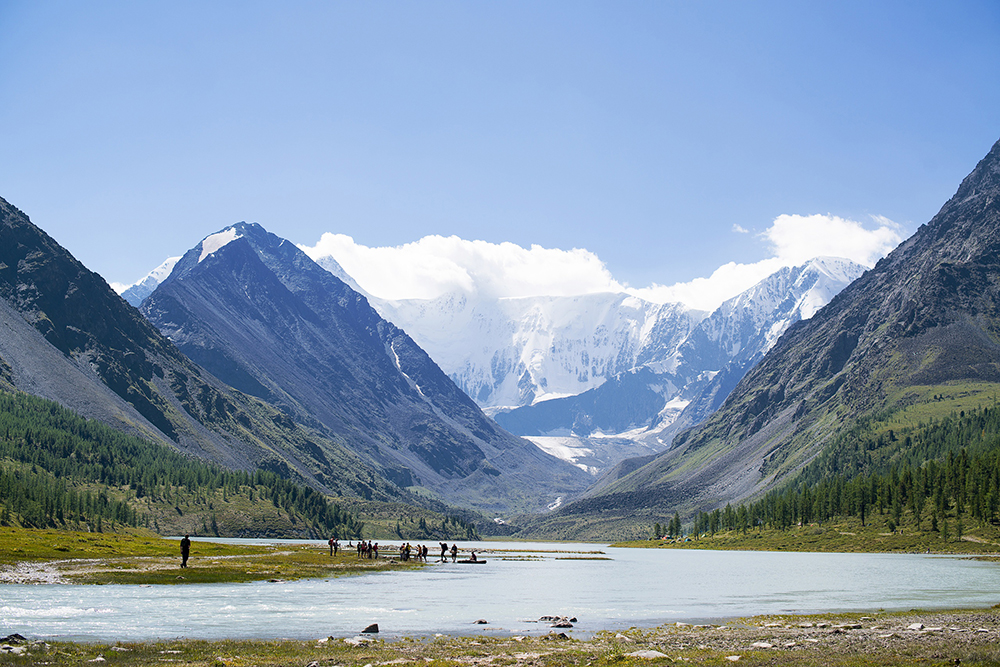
636	587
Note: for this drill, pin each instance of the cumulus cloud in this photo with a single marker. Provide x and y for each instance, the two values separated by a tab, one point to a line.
798	238
437	265
739	229
708	293
791	240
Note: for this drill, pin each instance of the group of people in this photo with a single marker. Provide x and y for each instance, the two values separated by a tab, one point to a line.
444	551
370	549
420	552
366	549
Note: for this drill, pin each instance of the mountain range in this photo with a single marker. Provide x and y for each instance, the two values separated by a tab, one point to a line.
919	328
712	407
396	429
594	379
260	315
678	380
66	336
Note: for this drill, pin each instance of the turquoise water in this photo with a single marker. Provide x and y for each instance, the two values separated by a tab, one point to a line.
636	587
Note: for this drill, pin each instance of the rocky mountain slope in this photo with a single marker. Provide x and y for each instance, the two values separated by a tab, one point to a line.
66	336
262	316
922	323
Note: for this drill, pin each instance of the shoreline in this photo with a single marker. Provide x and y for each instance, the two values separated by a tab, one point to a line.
970	636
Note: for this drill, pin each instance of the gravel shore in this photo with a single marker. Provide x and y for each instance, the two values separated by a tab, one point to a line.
912	638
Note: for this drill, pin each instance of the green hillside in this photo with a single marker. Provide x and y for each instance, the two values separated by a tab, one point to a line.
886	484
58	470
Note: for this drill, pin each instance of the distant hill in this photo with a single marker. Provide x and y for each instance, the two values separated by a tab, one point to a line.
919	328
262	316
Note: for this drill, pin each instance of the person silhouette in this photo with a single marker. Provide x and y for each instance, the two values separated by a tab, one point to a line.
185	550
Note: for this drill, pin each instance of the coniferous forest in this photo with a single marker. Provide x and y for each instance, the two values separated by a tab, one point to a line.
58	470
942	476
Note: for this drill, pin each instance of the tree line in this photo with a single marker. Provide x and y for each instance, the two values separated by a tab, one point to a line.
58	469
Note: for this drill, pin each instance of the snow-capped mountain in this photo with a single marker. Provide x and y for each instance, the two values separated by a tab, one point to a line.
511	352
677	388
136	292
605	373
693	376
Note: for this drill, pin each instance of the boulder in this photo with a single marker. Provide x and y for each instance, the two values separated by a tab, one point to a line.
358	641
482	621
647	654
373	628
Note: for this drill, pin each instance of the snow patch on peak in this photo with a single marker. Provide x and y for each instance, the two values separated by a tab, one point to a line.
136	292
151	279
216	241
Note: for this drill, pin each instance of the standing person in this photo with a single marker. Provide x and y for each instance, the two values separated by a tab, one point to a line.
330	542
185	550
336	546
444	551
454	552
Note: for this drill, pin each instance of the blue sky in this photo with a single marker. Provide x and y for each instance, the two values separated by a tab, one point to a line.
648	133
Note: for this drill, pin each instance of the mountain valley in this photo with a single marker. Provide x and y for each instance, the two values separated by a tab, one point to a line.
575	417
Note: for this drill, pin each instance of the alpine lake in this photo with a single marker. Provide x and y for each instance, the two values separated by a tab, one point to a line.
601	587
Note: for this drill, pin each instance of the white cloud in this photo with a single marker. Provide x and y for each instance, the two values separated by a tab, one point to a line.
436	265
793	240
796	239
708	293
739	229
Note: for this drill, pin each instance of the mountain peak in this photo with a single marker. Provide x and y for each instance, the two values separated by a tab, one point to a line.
984	179
218	240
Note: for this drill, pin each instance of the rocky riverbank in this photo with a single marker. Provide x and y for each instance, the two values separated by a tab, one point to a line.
911	638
